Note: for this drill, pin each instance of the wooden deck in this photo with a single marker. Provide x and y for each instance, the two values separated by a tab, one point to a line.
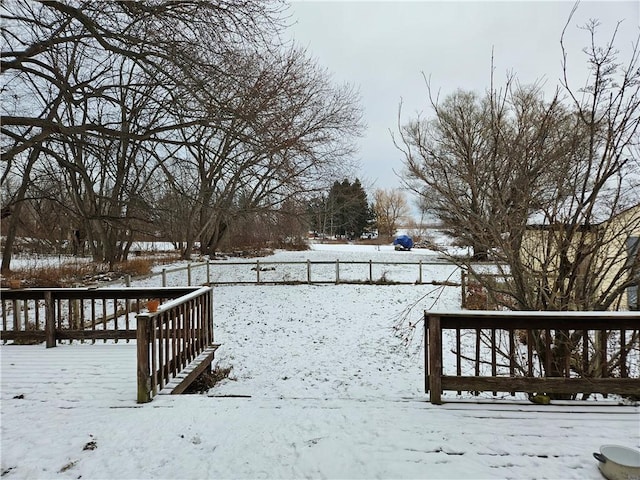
100	374
78	374
76	393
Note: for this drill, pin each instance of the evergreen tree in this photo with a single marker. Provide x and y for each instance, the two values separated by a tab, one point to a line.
348	209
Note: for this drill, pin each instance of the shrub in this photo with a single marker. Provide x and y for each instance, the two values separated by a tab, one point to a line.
74	273
65	275
136	267
207	380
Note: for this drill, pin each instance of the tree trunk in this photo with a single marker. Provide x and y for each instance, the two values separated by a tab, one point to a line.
213	240
15	216
188	249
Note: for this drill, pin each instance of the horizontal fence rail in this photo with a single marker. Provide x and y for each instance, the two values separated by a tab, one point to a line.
554	353
259	272
315	272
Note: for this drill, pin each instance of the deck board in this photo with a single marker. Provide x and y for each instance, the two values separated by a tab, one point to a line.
78	374
74	394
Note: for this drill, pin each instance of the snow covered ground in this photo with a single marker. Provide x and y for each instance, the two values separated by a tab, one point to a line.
321	387
385	266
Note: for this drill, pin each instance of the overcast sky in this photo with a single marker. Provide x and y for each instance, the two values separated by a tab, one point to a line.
383	48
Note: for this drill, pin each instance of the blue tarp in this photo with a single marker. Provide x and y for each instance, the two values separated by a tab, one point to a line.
404	241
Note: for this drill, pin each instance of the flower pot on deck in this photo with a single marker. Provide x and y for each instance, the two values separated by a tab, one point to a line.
152	305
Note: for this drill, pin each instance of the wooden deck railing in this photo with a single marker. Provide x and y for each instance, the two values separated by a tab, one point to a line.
179	336
532	352
174	344
54	315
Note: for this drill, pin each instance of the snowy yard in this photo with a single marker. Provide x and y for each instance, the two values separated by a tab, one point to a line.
321	387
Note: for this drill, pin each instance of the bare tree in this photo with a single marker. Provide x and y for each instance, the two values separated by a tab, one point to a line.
548	191
159	37
389	208
281	128
482	160
57	67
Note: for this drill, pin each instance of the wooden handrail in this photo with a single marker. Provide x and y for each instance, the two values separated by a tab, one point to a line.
171	338
56	314
586	331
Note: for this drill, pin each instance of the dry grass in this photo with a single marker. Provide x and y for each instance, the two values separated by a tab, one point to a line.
373	241
476	298
73	274
136	267
298	245
53	276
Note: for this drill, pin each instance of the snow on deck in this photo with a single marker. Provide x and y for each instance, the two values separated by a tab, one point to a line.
70	412
321	387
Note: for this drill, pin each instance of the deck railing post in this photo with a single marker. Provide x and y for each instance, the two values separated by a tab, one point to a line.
463	286
144	370
49	320
210	324
426	351
16	316
435	359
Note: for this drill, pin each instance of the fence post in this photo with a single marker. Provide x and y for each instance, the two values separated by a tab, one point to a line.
164	277
257	271
420	272
49	320
127	280
208	271
308	271
337	271
189	274
370	272
144	369
435	360
463	281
